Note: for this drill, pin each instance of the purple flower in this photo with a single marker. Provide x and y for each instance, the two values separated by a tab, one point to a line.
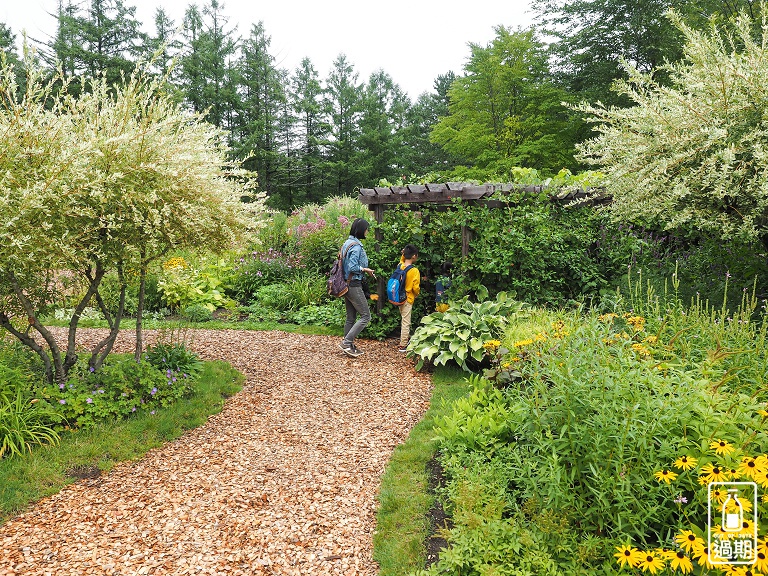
133	409
62	401
61	386
101	391
258	273
92	369
153	412
681	500
174	379
89	400
153	391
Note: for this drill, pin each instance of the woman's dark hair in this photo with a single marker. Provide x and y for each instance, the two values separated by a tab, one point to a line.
410	251
359	226
446	267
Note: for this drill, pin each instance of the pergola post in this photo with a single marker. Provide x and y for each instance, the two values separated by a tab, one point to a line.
381	283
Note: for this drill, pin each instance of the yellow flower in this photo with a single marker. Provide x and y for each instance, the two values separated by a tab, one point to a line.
521	343
701	553
761	562
506	365
607	317
688	540
721	447
627	555
442	307
713	473
750	467
540	337
177	262
721	534
719	495
679	561
515	359
650	562
665	476
764	498
685	463
733	473
637	322
641	350
491	344
651	339
747	527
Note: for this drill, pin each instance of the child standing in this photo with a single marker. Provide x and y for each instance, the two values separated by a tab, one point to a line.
412	288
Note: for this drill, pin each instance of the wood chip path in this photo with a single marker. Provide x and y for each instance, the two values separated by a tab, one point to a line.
282	481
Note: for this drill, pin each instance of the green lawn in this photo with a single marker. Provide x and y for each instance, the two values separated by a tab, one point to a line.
28	478
404	500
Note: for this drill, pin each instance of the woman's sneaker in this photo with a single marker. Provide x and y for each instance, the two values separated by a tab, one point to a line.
349	350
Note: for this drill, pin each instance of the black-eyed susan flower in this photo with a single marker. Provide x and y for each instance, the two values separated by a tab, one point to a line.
679	561
719	495
687	540
720	533
628	555
733	473
721	447
763	413
521	343
761	561
701	554
650	562
750	467
713	473
665	476
747	527
685	463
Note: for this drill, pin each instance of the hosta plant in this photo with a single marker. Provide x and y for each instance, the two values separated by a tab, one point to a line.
458	334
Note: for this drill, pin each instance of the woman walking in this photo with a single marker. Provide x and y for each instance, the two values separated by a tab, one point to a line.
354	265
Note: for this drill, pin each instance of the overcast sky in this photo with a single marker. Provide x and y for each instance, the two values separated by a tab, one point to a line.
412	40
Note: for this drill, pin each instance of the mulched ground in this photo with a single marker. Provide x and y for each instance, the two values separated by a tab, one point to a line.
282	481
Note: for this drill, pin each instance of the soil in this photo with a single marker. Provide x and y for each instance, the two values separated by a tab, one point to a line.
283	481
438	519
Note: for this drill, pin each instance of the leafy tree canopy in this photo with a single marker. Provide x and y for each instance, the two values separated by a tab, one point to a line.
693	154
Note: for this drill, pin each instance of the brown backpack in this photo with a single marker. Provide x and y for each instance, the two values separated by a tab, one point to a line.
337	284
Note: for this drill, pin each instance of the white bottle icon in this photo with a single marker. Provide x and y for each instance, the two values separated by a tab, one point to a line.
733	520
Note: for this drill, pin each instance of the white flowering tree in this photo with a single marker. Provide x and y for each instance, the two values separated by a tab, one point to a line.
693	154
104	182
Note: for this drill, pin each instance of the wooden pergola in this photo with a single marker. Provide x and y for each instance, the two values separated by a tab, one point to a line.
378	199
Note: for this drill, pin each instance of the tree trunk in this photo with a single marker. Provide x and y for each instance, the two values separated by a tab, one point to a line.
140	310
59	373
103	348
27	340
71	358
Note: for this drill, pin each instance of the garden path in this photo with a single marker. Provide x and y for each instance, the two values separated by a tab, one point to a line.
282	481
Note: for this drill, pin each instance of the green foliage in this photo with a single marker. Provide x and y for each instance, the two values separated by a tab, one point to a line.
119	389
557	468
458	334
197	313
331	314
275	296
691	155
506	110
23	422
184	286
306	289
383	323
174	357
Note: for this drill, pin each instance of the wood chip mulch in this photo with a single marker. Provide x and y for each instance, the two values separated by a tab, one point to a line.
282	481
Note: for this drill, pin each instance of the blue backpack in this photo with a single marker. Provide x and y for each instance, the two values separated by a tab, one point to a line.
396	285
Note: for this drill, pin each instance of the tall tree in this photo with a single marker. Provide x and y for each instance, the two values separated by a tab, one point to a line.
421	154
311	131
383	117
164	45
342	102
104	38
506	111
8	51
208	73
263	97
